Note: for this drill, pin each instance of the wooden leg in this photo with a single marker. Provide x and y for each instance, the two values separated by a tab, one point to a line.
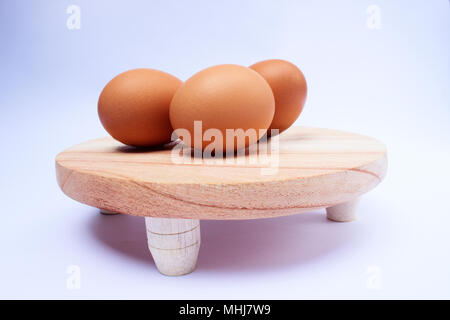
343	212
107	213
174	244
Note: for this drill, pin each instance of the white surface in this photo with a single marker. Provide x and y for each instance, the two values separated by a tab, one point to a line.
402	230
392	84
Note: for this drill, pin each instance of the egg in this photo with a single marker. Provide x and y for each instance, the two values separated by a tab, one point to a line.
223	97
289	89
134	107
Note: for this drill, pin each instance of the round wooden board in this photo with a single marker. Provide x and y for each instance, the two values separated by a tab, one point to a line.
314	168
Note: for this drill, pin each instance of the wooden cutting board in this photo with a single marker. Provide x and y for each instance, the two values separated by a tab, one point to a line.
314	168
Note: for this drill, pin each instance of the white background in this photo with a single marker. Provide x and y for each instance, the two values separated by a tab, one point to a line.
391	83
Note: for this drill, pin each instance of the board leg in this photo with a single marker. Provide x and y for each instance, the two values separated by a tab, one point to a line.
343	212
174	244
107	213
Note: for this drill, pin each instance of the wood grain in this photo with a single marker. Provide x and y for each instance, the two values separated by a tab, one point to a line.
318	168
174	244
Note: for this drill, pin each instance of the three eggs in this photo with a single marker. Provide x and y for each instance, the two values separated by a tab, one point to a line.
142	107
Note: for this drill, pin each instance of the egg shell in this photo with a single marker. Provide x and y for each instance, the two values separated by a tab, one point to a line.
289	89
134	107
224	97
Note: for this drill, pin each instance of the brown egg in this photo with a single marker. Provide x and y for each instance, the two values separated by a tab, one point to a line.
289	89
223	97
134	107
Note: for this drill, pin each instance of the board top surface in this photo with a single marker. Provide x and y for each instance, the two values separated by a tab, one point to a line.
313	168
303	152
